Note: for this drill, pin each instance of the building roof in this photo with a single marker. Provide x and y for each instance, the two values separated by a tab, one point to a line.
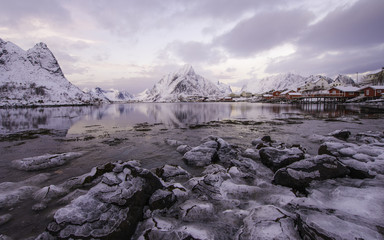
286	91
346	89
267	95
374	87
294	94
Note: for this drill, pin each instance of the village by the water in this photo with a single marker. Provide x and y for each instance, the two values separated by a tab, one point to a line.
369	90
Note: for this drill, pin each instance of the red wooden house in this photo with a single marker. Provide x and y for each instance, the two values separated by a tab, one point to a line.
373	91
348	92
276	94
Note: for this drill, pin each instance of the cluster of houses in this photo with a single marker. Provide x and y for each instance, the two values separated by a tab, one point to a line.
374	88
368	92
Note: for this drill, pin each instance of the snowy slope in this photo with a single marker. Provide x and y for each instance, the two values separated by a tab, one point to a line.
111	95
277	82
344	80
34	77
183	85
290	81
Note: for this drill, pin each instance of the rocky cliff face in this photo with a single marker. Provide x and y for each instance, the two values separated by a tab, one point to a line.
34	78
184	85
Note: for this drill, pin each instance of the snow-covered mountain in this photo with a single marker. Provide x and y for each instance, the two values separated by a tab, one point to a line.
111	95
291	81
277	82
34	77
183	85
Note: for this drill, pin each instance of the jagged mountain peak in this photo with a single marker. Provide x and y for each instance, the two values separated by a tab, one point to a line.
187	69
34	77
184	85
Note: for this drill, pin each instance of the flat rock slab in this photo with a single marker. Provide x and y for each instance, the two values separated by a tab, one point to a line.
299	174
44	161
268	222
277	158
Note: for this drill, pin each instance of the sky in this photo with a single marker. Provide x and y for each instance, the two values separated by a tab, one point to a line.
129	44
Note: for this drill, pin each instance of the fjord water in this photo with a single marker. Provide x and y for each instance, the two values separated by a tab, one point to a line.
139	130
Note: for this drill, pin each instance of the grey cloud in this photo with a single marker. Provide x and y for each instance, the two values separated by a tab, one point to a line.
196	52
264	31
347	40
228	9
17	14
124	17
357	60
356	26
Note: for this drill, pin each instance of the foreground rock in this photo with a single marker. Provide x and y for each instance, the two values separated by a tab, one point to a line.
268	222
14	193
212	151
172	172
341	209
277	158
299	174
364	158
111	208
44	161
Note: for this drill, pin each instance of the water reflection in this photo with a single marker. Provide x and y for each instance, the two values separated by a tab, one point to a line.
170	114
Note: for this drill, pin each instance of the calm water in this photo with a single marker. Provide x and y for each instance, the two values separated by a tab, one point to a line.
137	131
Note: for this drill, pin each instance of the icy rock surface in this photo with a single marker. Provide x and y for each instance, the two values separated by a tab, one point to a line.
299	174
364	157
44	161
168	172
111	208
202	155
13	193
277	158
268	222
212	151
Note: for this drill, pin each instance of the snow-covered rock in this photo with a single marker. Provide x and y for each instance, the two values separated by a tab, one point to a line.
13	193
268	222
34	77
184	85
111	208
44	161
277	158
298	175
171	172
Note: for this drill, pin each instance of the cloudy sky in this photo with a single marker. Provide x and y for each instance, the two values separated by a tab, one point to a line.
130	44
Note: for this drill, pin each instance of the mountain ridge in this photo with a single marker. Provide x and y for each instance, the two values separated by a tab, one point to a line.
183	85
34	78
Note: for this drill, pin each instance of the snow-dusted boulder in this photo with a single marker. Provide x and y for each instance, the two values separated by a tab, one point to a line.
202	155
277	158
169	172
182	149
44	161
111	208
158	228
298	175
268	222
341	134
